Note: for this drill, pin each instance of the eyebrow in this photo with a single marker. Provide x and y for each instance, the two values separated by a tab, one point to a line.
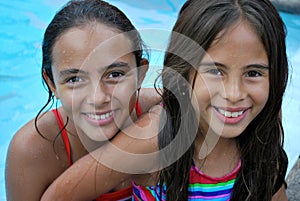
260	66
122	65
212	64
71	71
117	64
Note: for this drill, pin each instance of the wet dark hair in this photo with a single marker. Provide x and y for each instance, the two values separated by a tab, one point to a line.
264	161
77	13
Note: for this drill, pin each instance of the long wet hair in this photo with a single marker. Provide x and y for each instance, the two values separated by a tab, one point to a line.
263	160
79	13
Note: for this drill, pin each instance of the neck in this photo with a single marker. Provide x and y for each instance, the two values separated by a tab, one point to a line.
214	155
81	141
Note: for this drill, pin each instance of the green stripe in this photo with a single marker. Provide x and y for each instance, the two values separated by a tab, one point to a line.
212	185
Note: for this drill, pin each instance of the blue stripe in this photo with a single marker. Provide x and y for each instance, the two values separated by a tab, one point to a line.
210	199
214	193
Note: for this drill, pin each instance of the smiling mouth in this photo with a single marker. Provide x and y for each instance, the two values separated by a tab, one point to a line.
230	114
100	116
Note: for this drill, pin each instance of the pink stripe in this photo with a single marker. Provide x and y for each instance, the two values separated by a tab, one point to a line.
211	197
141	190
206	179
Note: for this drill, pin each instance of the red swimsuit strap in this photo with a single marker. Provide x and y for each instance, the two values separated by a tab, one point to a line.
138	108
64	134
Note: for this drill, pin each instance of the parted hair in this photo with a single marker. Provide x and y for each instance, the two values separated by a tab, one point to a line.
263	160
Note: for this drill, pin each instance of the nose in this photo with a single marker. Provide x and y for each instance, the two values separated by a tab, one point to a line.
99	94
234	90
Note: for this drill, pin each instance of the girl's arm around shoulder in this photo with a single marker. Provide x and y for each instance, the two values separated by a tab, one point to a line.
148	97
29	165
100	171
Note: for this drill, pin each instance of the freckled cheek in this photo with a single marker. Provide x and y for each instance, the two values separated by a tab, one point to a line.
125	94
202	95
71	102
259	95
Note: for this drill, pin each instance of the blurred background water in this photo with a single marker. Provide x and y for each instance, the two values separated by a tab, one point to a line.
21	91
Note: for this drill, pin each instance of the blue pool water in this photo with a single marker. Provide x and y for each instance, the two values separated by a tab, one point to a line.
21	91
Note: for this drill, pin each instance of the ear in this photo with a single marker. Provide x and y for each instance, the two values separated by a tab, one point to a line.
50	84
142	71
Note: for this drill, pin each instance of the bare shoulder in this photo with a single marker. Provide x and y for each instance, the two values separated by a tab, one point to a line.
280	195
30	144
31	161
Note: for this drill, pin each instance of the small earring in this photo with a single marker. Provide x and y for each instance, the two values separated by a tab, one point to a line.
138	108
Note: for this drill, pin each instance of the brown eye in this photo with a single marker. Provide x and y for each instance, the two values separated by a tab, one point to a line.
215	71
74	79
253	74
115	75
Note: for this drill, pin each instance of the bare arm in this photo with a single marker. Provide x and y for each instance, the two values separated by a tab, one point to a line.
103	169
148	98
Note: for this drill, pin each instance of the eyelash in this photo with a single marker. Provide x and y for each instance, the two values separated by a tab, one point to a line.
215	71
74	79
257	74
111	74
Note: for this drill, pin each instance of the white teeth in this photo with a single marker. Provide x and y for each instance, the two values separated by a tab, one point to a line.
235	114
230	114
100	117
227	114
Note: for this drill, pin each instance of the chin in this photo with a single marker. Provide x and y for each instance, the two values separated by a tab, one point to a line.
101	138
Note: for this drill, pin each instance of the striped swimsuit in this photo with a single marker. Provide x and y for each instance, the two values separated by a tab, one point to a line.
201	187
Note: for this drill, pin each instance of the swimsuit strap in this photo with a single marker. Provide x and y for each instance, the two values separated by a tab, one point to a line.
64	134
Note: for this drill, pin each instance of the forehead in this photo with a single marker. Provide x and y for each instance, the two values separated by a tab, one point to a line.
238	41
92	40
241	32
